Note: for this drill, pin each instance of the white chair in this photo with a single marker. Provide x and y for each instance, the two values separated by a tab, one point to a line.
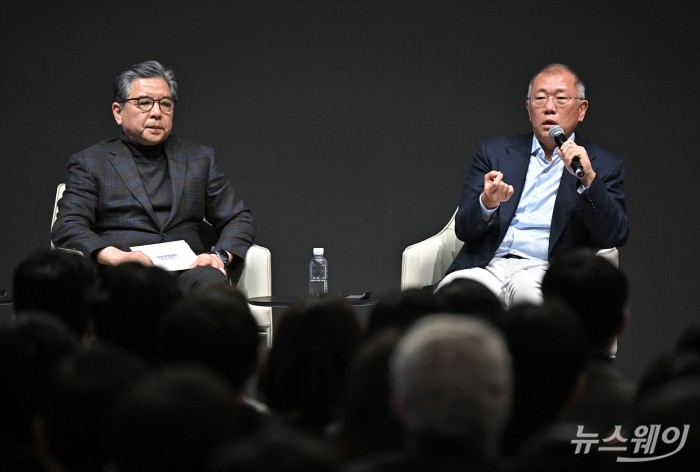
255	279
425	262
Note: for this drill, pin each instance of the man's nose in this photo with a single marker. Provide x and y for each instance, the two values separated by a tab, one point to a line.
550	105
155	110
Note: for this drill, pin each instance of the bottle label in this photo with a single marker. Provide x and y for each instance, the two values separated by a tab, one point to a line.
318	287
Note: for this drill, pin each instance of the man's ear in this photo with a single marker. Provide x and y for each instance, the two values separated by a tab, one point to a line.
117	112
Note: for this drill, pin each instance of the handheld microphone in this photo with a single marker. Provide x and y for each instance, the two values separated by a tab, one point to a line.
557	134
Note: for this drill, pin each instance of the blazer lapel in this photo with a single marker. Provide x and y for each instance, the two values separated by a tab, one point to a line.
514	167
177	164
124	164
565	204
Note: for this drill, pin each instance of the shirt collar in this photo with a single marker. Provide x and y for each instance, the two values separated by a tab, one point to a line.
536	148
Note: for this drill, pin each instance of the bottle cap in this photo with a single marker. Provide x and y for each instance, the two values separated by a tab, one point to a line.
318	251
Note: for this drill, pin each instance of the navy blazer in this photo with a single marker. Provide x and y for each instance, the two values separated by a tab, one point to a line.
105	202
595	219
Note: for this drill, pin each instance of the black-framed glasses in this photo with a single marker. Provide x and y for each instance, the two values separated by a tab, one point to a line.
145	104
559	100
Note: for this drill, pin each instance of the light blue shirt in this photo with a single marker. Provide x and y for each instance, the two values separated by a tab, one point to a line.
528	234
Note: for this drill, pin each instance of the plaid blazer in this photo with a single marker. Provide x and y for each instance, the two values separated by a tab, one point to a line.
105	202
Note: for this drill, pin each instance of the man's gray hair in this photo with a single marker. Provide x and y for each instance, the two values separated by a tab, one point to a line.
142	70
452	376
558	68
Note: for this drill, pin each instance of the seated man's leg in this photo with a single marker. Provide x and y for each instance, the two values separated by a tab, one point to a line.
523	285
200	277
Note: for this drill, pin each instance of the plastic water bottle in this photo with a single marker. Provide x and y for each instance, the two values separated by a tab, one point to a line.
318	274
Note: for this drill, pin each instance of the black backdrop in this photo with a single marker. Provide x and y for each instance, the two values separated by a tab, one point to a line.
351	124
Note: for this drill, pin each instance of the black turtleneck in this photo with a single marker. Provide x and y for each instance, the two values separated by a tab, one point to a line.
152	164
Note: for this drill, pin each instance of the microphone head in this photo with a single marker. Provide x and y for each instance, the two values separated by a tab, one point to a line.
555	130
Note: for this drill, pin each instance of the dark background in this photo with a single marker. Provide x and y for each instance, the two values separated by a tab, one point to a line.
351	124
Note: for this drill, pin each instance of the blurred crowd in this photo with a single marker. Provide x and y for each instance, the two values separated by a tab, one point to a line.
125	372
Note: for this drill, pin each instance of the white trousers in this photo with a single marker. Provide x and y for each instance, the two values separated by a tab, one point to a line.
513	280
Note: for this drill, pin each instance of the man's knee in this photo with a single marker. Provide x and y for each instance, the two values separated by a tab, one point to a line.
200	277
525	286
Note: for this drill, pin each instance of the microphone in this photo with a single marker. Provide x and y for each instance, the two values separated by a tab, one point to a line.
557	134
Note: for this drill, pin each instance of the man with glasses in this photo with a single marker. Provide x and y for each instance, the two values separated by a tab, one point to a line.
148	186
522	204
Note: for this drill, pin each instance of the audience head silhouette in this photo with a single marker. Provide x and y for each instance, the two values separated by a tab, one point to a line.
548	345
57	282
451	383
172	419
399	309
73	410
668	394
471	297
304	377
31	346
214	328
369	424
128	304
594	289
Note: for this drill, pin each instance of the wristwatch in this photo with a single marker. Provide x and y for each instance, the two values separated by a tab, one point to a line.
222	254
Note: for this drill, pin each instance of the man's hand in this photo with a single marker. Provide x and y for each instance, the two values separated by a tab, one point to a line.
568	151
495	190
210	260
113	256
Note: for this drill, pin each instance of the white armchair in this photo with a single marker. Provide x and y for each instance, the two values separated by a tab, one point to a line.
255	279
425	262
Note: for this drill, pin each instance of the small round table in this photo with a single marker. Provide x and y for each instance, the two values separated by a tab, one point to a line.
280	303
288	300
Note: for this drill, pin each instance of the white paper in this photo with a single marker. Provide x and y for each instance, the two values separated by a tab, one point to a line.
174	255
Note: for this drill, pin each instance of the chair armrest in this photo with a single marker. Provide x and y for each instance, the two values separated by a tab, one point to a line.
256	277
612	254
256	281
425	262
419	262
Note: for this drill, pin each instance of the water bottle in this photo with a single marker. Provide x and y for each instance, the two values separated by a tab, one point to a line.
318	274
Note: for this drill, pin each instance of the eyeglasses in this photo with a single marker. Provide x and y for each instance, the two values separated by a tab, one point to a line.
145	104
559	100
